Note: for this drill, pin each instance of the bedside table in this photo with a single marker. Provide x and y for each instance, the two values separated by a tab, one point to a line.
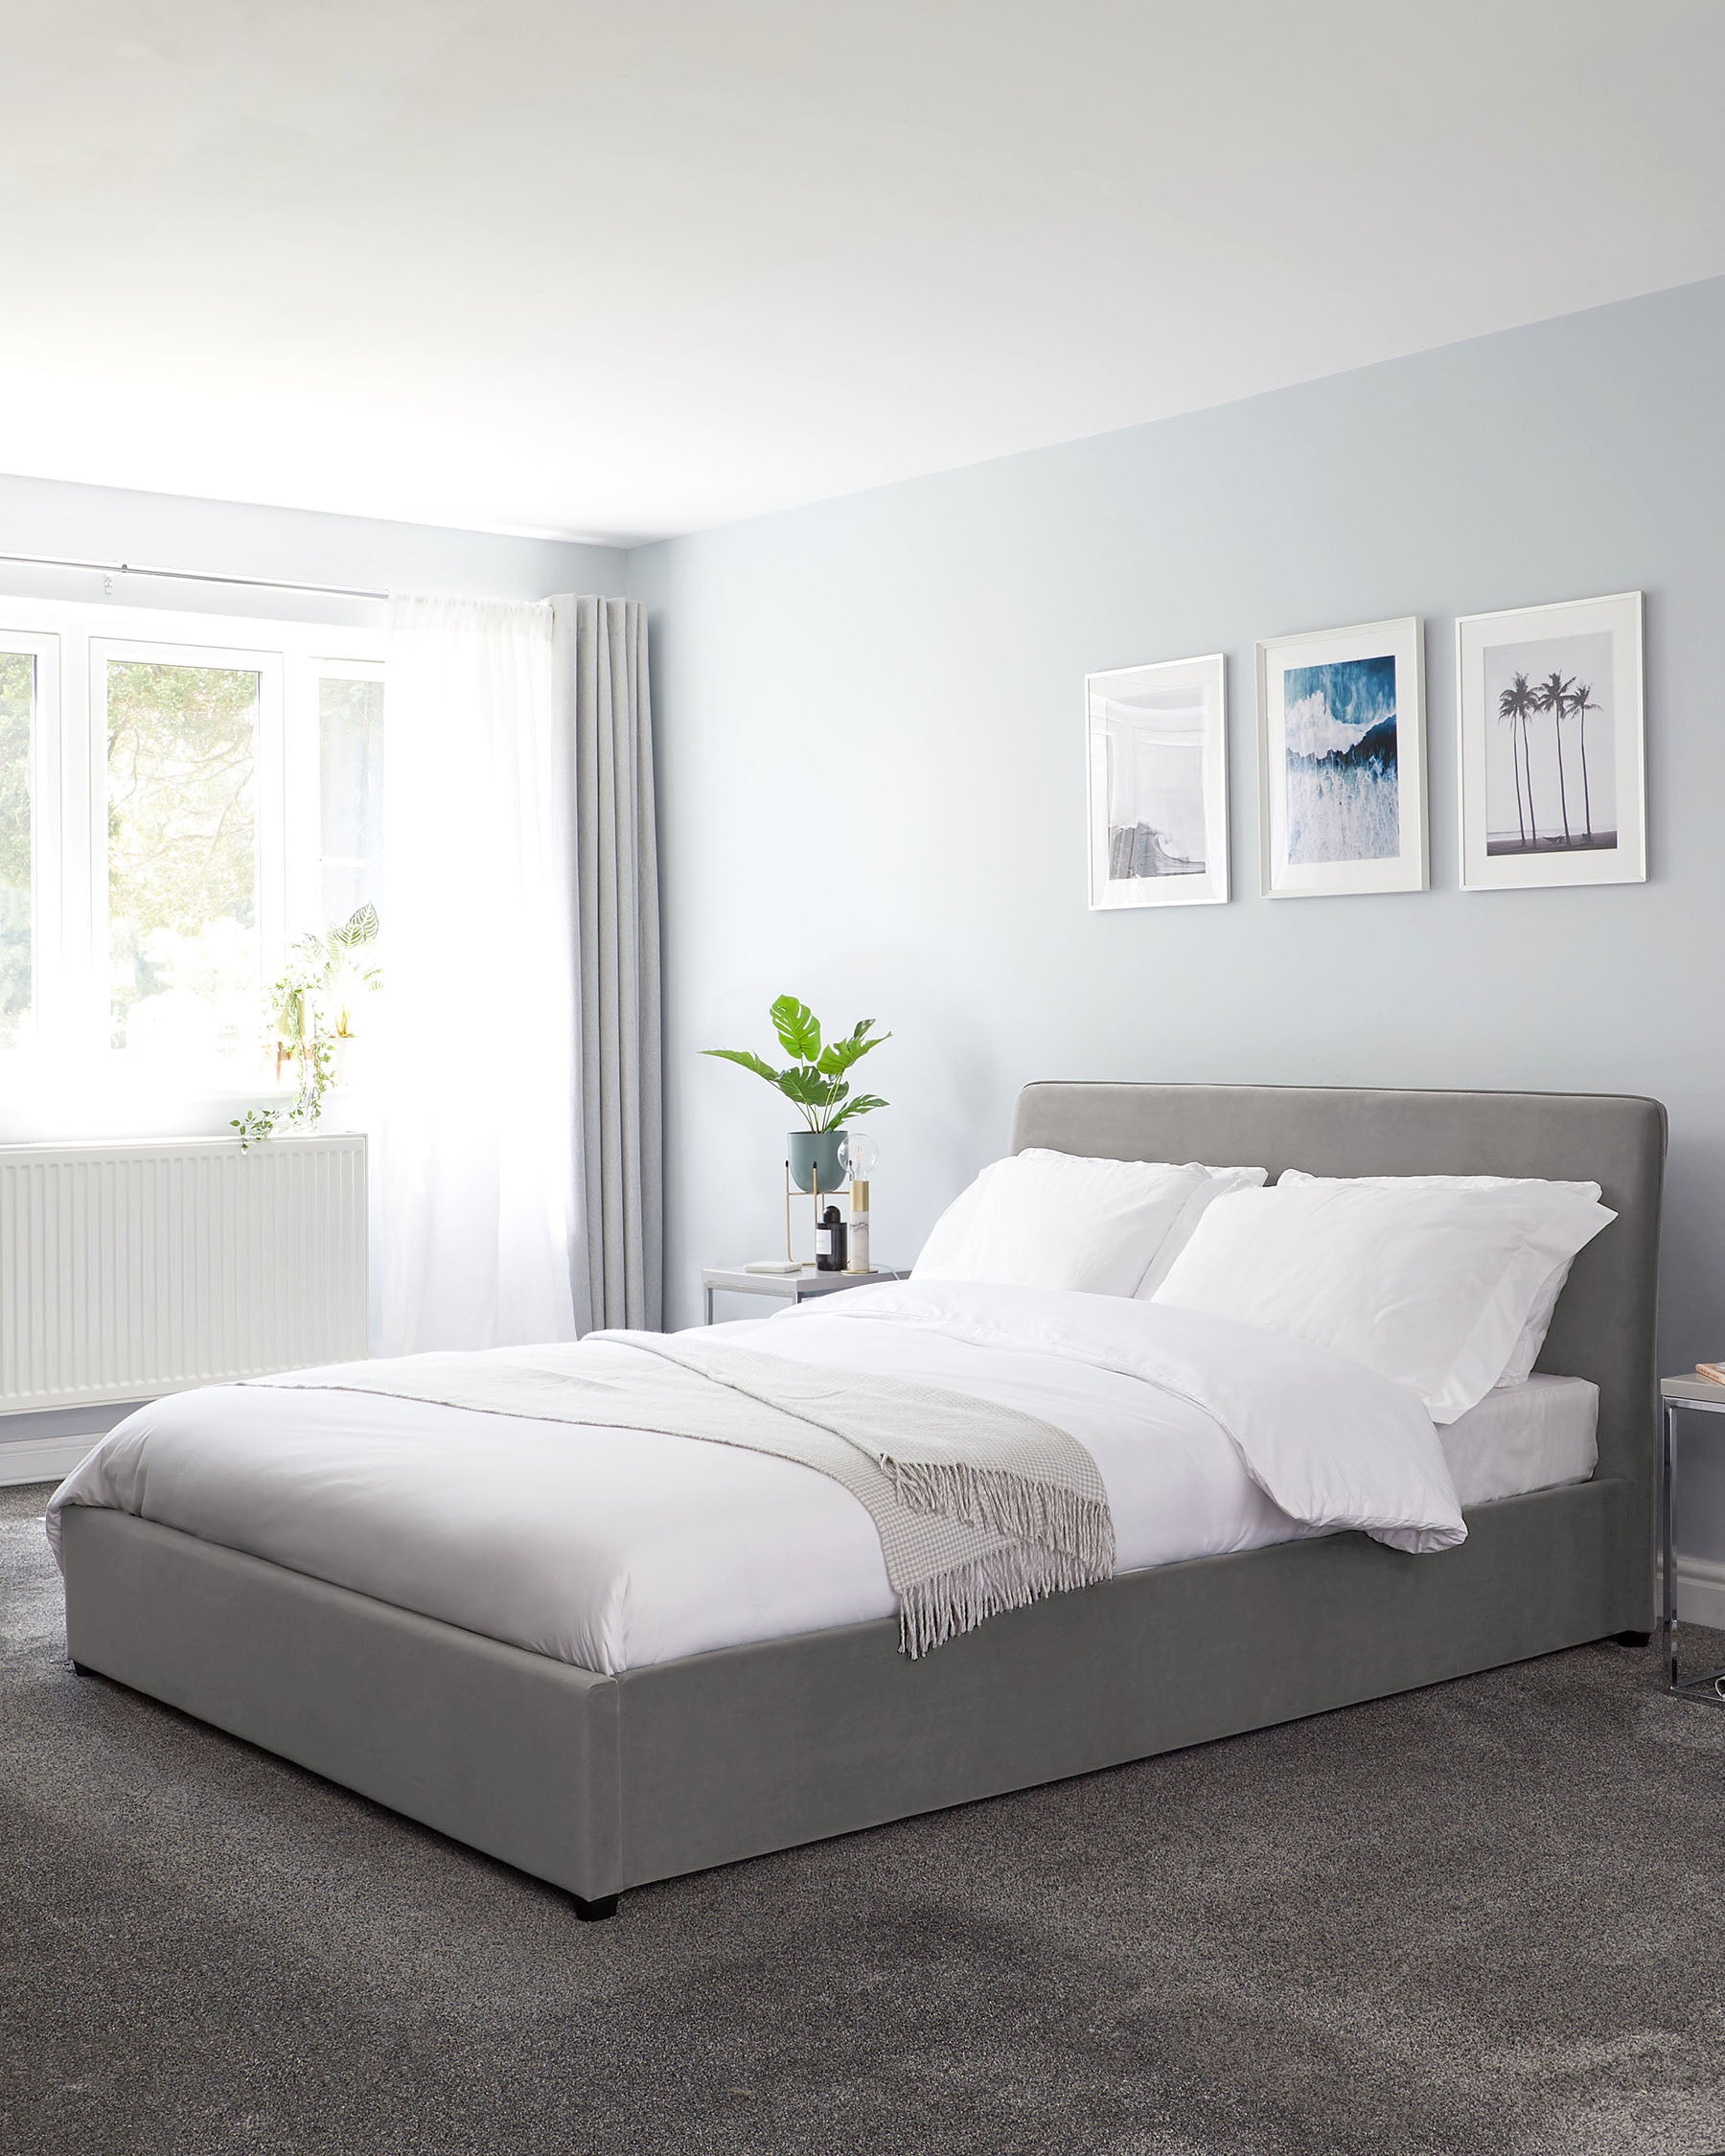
1696	1395
791	1287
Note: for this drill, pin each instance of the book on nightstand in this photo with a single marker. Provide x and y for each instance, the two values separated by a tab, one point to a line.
1714	1372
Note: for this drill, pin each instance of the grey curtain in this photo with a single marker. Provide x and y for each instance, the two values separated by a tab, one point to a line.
601	663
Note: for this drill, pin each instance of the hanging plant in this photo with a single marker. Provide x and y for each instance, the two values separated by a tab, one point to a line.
310	1008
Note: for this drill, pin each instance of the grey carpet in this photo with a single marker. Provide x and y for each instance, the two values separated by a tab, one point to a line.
1483	1917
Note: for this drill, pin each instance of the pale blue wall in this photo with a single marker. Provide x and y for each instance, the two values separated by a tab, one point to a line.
871	783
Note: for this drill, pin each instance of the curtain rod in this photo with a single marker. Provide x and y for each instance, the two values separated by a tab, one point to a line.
192	576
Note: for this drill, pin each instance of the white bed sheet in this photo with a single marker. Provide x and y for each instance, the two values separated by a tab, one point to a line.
1532	1437
616	1550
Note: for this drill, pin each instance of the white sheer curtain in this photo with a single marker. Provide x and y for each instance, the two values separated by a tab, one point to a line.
478	1172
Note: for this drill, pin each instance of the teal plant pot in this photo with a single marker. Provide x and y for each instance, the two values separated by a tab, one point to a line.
813	1153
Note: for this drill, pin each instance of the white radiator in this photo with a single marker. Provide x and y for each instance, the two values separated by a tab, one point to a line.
131	1269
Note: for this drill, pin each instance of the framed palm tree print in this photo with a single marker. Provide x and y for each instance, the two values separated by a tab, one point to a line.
1553	782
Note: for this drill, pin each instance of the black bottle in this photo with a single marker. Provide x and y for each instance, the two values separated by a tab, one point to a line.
830	1238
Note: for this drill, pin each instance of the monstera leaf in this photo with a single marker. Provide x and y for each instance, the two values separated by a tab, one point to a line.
838	1056
803	1084
797	1028
749	1061
864	1104
816	1082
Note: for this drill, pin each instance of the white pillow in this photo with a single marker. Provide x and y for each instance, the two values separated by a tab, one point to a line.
1060	1219
1218	1182
1531	1338
1526	1352
1428	1280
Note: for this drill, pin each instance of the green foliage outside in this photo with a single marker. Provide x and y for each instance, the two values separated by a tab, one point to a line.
183	945
350	726
17	696
817	1083
182	851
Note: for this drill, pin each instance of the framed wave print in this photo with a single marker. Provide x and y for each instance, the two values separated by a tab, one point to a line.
1553	781
1157	765
1341	802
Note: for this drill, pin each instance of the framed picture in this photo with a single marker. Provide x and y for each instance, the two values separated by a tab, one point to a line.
1157	749
1554	772
1342	761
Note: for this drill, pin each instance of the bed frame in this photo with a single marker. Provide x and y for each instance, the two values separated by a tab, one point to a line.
601	1784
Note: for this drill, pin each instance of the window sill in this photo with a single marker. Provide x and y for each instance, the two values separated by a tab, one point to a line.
39	1108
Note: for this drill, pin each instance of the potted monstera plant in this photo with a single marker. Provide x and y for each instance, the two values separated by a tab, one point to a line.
818	1084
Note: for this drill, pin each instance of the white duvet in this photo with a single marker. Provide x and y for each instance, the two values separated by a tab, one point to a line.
616	1548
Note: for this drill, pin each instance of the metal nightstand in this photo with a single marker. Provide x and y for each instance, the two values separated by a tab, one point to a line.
1705	1398
784	1287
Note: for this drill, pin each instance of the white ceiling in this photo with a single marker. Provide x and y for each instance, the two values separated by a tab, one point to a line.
634	268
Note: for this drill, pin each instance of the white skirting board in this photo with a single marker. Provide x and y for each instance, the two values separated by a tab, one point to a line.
44	1459
1701	1592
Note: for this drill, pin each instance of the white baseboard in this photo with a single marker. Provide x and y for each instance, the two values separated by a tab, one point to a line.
1701	1592
50	1459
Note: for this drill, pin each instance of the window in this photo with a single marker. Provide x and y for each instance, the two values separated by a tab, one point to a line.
180	795
350	736
182	856
18	891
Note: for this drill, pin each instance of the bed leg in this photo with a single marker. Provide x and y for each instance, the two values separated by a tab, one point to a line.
594	1911
1631	1639
83	1669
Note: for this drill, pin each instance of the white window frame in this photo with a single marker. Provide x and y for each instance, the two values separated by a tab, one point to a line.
73	642
43	647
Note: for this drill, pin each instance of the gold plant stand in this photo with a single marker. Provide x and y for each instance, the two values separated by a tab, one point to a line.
816	1195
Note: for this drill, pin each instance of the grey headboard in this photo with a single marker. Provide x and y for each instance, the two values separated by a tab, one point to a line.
1603	1329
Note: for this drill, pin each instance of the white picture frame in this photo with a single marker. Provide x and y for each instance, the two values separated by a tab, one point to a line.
1518	759
1155	746
1342	810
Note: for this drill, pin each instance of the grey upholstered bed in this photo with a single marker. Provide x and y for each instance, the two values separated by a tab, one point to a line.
600	1783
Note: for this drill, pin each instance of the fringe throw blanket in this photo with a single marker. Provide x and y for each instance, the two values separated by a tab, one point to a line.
978	1508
